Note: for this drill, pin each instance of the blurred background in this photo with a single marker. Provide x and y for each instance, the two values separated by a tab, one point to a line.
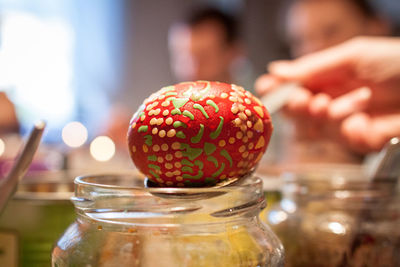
94	62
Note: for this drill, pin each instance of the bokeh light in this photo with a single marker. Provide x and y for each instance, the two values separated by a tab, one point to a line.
102	148
74	134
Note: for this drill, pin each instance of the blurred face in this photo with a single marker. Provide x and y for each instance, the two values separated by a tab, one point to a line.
200	53
315	25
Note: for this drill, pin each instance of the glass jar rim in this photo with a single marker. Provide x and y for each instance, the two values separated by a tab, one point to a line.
84	180
120	194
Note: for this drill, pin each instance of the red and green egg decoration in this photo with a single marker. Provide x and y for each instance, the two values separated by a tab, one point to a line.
198	134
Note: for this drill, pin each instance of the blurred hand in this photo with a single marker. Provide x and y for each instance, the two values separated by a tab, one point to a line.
354	87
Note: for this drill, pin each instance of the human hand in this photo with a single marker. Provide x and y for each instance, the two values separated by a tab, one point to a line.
355	85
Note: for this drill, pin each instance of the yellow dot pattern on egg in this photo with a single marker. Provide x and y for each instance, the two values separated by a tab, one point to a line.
247	101
249	134
145	149
260	142
169	157
259	157
142	117
251	145
259	126
221	143
160	121
133	125
242	116
243	127
245	139
133	149
171	133
165	103
161	97
160	180
176	145
245	154
169	183
178	164
164	147
169	121
257	101
178	154
168	166
251	156
238	121
224	95
160	159
162	133
249	124
235	109
222	177
179	178
248	112
233	99
177	172
242	149
154	130
231	140
239	135
165	112
156	148
153	121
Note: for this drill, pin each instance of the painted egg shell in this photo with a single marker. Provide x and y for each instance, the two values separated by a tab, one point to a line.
198	134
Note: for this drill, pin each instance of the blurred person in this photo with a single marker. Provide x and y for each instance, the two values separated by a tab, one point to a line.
8	117
207	46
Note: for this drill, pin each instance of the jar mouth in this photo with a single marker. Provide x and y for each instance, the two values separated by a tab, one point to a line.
123	198
121	181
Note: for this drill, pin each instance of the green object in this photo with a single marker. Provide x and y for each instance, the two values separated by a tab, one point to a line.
143	129
199	135
217	132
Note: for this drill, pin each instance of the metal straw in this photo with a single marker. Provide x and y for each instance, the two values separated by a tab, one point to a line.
9	184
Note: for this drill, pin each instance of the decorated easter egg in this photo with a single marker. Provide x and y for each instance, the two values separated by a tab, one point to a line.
198	134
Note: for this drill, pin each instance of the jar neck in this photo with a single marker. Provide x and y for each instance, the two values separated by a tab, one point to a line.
123	200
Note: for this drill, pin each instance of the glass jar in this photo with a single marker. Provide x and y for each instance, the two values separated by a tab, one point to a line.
122	223
35	218
332	216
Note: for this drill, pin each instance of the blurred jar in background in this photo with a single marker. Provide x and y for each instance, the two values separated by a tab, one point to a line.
34	218
331	216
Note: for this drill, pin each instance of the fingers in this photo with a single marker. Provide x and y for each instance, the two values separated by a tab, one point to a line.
365	133
347	104
313	64
299	102
266	83
319	105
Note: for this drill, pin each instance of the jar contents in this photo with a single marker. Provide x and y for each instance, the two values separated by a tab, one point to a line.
120	223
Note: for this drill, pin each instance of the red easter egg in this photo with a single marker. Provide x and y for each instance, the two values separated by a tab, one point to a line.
198	134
